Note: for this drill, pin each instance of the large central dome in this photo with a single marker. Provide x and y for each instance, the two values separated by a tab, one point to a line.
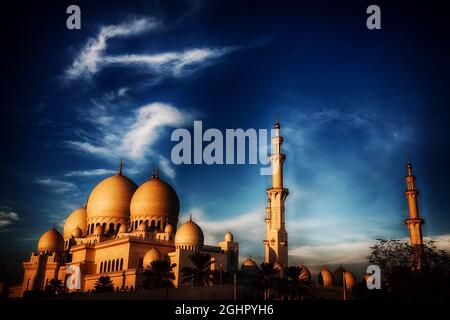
111	198
155	200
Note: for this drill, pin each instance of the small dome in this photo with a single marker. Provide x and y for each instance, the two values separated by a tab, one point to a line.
151	255
228	236
77	232
338	275
111	198
189	234
350	280
155	198
325	277
123	228
77	219
52	241
305	274
143	226
168	228
98	230
249	266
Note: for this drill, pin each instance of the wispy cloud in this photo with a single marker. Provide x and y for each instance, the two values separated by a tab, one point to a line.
7	218
131	137
55	185
92	58
89	173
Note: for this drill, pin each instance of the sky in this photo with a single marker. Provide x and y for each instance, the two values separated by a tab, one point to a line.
354	105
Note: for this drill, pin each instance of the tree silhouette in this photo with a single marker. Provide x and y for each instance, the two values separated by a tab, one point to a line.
296	288
159	275
403	277
55	286
267	279
200	274
104	284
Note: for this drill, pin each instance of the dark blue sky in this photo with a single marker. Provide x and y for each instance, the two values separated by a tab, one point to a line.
354	104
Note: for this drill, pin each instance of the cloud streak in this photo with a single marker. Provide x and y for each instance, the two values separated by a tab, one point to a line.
8	217
132	136
93	58
56	186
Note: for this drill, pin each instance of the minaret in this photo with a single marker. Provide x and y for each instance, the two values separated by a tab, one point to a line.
275	244
414	222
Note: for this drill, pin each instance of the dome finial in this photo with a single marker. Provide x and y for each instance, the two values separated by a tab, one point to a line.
153	173
409	167
119	171
277	124
190	216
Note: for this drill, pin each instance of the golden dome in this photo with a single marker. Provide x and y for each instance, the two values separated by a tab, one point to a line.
77	232
76	219
228	236
189	234
338	275
350	280
305	274
249	266
326	277
151	255
168	228
51	240
249	262
111	198
155	198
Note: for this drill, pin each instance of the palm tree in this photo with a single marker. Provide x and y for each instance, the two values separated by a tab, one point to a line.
200	274
159	275
267	279
296	288
104	284
55	286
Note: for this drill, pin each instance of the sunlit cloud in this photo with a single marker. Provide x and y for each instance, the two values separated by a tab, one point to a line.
131	137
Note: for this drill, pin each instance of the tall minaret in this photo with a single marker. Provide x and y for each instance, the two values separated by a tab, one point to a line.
414	222
276	244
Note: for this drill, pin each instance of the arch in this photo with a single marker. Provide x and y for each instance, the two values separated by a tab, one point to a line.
111	228
101	267
158	225
121	263
135	224
109	265
153	224
118	227
104	227
117	264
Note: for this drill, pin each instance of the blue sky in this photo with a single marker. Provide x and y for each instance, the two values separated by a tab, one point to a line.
354	105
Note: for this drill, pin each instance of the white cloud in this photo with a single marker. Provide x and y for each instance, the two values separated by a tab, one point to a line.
89	173
88	60
92	57
7	218
56	186
131	137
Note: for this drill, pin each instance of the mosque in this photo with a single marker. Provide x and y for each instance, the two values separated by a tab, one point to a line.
120	231
123	228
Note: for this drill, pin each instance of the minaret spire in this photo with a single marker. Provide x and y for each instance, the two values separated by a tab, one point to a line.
414	222
275	244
